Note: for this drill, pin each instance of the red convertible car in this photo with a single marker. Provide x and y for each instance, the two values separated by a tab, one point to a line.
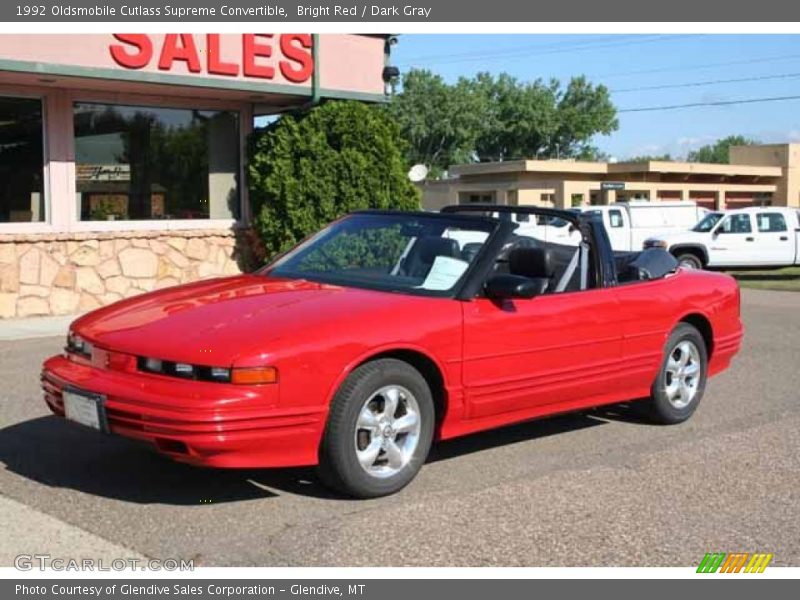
388	330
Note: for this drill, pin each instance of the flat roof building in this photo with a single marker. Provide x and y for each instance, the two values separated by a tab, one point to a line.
757	175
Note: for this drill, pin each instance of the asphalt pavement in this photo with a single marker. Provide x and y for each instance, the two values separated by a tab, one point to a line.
602	488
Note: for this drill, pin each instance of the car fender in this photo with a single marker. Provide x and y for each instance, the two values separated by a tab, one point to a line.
377	351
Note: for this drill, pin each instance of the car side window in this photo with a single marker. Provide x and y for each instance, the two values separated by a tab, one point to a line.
736	224
770	222
615	218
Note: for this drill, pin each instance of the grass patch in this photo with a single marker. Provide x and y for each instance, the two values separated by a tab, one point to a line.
776	279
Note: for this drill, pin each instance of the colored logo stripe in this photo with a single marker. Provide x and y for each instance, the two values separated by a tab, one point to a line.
758	563
711	562
734	562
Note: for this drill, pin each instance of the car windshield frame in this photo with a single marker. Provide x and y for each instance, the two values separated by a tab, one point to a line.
719	216
496	230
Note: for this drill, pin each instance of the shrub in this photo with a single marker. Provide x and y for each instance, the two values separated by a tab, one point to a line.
307	170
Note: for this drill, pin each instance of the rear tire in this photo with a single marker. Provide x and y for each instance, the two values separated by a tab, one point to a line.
689	261
681	379
379	430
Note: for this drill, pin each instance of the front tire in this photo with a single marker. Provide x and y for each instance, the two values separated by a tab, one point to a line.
379	430
689	260
681	380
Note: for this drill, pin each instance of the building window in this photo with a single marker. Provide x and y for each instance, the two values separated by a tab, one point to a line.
576	200
550	198
21	160
476	198
138	163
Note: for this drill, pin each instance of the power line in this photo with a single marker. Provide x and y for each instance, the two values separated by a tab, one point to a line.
696	67
704	83
536	51
515	50
715	103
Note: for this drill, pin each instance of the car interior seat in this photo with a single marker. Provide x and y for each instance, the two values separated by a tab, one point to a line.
532	262
470	251
423	253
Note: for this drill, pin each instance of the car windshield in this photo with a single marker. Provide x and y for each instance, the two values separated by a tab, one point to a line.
411	253
707	223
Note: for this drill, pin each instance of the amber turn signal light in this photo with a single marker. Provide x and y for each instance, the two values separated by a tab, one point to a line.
254	375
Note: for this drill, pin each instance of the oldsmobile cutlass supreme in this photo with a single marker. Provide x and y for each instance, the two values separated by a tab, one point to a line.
389	330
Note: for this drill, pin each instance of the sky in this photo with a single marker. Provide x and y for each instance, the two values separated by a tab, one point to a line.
687	69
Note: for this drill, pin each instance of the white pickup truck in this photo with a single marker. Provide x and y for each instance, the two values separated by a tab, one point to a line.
748	237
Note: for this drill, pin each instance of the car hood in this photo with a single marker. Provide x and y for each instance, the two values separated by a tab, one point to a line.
213	322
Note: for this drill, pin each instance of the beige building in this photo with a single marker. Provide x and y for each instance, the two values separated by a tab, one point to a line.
757	175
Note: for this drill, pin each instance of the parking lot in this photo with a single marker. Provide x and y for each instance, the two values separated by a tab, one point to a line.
598	488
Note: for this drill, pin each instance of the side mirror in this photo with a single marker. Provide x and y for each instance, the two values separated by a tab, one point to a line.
514	286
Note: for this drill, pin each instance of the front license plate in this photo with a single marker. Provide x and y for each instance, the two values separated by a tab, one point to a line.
85	408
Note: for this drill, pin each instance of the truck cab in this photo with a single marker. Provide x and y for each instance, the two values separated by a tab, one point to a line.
743	238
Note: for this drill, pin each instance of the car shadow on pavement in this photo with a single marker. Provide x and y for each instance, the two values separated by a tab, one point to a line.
511	434
58	454
628	412
55	453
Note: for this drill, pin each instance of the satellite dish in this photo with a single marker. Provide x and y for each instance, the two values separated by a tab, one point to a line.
418	173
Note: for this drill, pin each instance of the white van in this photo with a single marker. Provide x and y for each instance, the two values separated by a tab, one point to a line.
629	224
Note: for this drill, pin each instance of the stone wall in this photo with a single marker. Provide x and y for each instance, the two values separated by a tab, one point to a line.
62	274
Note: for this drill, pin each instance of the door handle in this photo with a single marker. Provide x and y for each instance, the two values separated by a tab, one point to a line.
749	239
784	238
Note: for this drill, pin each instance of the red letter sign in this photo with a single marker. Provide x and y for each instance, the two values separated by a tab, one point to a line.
295	47
135	60
215	63
252	49
185	51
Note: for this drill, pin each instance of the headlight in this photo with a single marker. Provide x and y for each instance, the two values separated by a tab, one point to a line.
243	375
655	244
77	345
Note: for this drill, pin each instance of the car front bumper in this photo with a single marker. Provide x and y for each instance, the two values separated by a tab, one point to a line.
202	423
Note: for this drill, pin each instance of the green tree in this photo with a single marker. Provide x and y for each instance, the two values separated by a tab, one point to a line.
719	151
520	120
309	169
491	118
440	122
648	157
584	110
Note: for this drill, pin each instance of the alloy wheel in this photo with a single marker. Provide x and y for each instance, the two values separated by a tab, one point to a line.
387	431
682	376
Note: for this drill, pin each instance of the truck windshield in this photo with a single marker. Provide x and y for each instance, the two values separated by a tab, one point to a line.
708	222
410	253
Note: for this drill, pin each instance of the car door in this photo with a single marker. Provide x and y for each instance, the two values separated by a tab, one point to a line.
775	241
551	350
733	241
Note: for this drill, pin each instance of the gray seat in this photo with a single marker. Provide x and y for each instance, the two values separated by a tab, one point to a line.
532	263
420	258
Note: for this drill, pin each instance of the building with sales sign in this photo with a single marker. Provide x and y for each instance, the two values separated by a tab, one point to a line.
122	157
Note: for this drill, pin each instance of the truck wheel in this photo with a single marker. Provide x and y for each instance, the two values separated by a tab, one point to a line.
379	430
688	260
681	380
